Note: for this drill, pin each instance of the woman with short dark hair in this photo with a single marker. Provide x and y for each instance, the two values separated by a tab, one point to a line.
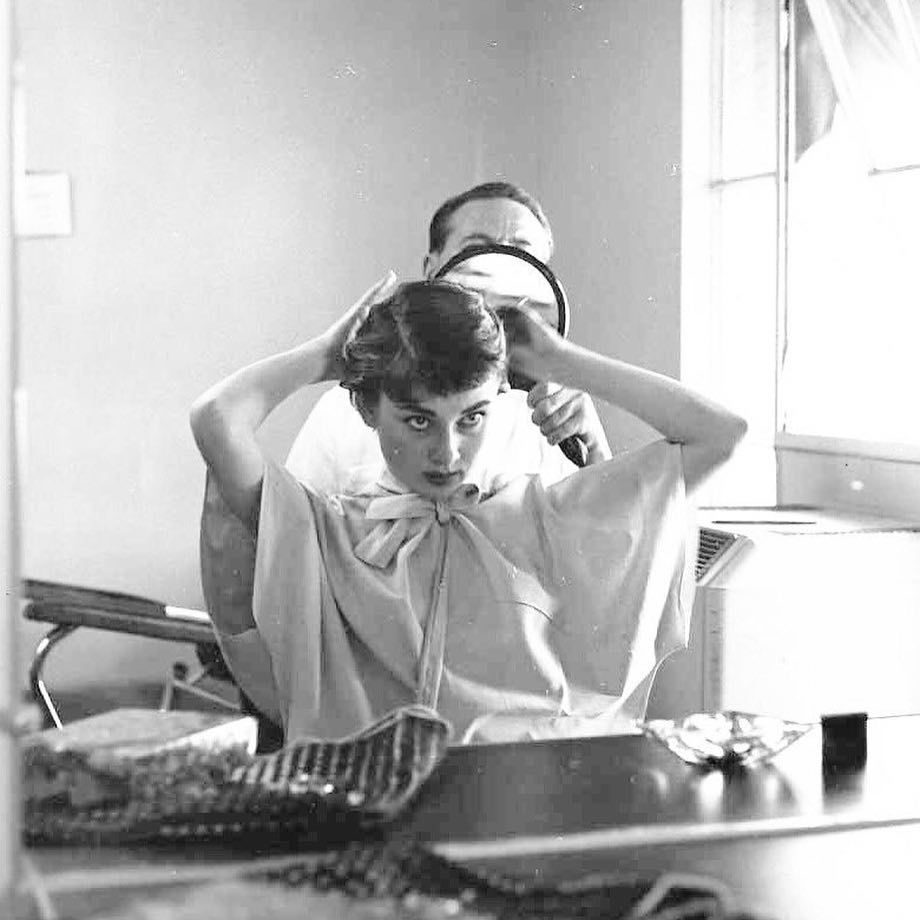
521	611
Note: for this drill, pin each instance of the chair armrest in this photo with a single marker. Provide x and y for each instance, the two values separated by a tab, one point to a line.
58	593
73	605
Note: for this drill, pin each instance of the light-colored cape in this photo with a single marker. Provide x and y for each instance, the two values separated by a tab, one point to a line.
548	609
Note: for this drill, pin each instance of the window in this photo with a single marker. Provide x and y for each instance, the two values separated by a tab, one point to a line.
729	232
853	231
802	273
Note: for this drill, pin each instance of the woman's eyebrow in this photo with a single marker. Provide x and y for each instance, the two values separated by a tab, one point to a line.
421	410
413	407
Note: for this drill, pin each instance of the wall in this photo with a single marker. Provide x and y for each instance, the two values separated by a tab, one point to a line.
243	169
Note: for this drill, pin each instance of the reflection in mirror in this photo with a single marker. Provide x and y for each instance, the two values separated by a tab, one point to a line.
9	550
240	173
222	177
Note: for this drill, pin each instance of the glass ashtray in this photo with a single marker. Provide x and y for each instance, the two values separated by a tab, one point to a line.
726	738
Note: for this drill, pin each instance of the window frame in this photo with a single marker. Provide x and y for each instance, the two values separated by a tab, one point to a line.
831	472
837	472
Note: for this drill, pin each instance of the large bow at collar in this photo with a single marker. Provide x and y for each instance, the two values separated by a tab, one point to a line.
397	512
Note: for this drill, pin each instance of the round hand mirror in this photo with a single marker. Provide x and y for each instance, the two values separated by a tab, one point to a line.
507	276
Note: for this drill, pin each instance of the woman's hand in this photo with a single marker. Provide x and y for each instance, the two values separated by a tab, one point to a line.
225	419
334	338
534	348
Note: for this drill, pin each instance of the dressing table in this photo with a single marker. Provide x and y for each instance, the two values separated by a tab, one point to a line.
790	838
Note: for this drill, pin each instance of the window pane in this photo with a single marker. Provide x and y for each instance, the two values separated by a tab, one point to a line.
748	88
743	336
747	325
854	293
853	321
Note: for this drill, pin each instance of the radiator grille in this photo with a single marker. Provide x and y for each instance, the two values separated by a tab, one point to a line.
713	544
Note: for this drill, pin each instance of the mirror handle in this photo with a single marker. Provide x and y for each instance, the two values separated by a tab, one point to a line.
575	450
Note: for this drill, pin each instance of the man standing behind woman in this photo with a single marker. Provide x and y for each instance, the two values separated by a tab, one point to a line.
335	451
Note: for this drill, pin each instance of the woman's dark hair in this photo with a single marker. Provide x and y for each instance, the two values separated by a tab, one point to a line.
429	336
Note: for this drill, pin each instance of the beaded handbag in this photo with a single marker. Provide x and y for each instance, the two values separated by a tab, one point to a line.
311	789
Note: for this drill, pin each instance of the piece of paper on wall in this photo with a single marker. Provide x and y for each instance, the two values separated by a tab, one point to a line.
43	205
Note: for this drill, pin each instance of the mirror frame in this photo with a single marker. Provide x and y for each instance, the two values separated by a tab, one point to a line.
9	544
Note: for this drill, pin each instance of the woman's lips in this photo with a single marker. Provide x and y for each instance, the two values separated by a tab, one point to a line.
442	479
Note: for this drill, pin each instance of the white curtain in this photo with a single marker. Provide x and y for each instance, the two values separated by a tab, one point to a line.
863	56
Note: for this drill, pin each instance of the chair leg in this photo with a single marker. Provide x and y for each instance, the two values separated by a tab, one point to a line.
179	671
37	683
181	681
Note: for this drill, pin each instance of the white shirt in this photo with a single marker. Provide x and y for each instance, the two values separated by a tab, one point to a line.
336	452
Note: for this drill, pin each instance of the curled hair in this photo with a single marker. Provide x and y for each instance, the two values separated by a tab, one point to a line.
433	337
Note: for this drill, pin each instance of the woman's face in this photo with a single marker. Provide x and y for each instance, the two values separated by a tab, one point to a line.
430	442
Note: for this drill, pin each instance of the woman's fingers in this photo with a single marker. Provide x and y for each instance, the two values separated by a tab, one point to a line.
377	292
343	329
357	312
531	342
380	289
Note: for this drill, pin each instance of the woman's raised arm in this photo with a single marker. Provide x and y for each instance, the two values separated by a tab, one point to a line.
708	431
227	416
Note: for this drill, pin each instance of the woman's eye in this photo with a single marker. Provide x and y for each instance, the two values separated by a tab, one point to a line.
473	419
417	422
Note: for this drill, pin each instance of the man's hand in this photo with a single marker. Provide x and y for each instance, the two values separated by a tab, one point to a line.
534	348
335	337
560	412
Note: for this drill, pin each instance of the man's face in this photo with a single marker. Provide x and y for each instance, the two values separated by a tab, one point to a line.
491	220
430	442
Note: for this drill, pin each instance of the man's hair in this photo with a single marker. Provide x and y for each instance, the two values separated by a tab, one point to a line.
433	337
439	228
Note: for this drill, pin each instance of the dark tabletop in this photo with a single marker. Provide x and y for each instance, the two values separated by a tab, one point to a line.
610	787
792	838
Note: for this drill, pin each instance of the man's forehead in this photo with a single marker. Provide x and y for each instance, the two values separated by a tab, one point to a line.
497	220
